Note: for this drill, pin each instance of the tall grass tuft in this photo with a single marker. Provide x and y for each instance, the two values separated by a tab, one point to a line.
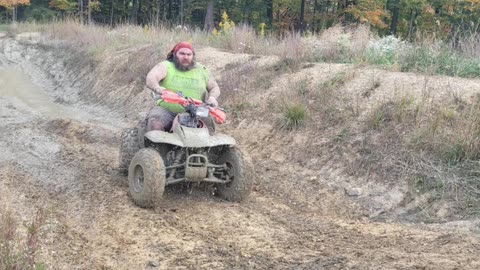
293	116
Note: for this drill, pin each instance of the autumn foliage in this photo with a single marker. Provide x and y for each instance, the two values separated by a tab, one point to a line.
13	3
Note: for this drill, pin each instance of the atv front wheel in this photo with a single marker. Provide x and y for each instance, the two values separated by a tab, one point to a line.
146	178
239	186
128	149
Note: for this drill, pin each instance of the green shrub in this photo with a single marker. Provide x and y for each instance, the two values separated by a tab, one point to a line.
442	60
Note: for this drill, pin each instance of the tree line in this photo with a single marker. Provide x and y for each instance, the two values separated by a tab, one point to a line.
407	18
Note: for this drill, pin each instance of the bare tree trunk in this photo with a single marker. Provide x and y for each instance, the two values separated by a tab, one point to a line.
302	16
396	11
164	11
270	12
412	24
170	11
314	21
157	19
247	12
80	6
89	12
139	10
181	12
209	24
111	15
134	15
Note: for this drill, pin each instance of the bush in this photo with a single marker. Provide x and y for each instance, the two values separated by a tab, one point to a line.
384	51
439	59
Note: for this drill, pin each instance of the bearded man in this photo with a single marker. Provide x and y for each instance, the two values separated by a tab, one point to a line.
179	73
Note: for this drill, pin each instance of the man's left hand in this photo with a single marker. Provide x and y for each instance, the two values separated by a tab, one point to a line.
212	101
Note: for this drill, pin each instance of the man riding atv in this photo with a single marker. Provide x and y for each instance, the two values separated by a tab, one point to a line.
179	73
176	142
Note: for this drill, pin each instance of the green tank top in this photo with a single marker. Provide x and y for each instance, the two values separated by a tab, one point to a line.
192	83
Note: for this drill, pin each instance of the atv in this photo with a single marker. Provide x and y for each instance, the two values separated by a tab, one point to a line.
188	153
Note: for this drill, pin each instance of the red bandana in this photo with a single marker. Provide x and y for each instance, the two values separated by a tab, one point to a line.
183	45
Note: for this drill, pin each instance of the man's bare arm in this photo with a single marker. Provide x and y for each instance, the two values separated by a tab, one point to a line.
157	74
213	88
213	92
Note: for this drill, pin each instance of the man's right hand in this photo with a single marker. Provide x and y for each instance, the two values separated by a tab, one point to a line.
155	95
158	90
212	101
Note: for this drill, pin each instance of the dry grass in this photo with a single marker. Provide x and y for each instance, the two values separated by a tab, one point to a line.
335	44
17	254
433	145
236	87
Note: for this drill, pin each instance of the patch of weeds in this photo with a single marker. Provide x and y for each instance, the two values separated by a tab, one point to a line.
233	66
13	253
455	154
293	116
338	80
4	27
449	115
417	58
263	82
286	65
236	109
308	65
303	87
377	118
242	78
404	109
389	111
342	136
442	60
384	51
368	92
96	53
333	115
472	206
423	183
382	114
435	125
325	93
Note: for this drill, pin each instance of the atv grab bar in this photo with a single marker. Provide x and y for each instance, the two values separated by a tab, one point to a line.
172	97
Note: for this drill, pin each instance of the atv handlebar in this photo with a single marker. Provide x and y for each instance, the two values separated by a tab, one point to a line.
171	97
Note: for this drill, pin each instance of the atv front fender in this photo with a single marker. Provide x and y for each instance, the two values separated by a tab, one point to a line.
189	137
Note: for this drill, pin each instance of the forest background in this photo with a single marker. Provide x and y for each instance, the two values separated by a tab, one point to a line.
443	19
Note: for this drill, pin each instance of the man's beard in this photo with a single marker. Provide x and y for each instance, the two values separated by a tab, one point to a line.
181	67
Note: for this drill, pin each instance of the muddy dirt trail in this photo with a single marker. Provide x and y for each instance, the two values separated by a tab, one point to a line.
59	152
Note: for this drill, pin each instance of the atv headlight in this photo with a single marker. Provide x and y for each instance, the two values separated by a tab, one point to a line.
202	112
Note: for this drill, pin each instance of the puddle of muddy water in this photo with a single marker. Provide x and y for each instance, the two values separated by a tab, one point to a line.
16	84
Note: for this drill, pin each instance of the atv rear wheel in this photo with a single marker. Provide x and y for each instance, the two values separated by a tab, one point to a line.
239	186
146	178
128	149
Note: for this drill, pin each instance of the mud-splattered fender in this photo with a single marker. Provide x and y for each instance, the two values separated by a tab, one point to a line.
189	137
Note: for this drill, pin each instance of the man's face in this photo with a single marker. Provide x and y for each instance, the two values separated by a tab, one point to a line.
184	59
